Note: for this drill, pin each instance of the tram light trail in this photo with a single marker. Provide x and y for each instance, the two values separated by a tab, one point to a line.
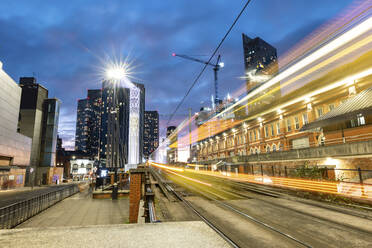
347	189
162	166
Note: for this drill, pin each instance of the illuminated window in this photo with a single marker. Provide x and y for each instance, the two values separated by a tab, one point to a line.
359	121
305	118
352	90
266	131
289	125
278	127
319	112
297	122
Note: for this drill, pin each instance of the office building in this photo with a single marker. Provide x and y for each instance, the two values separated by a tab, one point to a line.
39	120
136	124
260	61
88	123
82	126
94	102
150	133
114	131
15	148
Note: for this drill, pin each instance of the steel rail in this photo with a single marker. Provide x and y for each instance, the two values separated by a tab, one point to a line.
240	213
210	224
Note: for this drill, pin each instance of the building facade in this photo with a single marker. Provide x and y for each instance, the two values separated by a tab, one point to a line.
114	131
15	148
88	123
38	120
280	135
82	126
260	61
151	133
136	125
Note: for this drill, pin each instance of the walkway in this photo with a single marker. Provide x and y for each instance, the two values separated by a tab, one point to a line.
82	210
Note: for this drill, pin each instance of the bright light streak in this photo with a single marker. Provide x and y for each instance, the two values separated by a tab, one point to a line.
337	188
343	39
166	167
196	165
191	179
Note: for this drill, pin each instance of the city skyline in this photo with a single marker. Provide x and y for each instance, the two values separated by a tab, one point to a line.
64	38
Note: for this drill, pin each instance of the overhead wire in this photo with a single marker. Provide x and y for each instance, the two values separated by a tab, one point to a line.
209	60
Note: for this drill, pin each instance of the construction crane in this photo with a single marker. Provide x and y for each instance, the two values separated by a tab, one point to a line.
216	67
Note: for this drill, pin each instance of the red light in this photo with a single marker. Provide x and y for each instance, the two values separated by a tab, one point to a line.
173	54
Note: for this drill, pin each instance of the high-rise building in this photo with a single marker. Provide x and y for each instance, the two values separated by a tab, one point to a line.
114	131
39	120
88	123
136	124
31	114
51	108
94	102
260	61
150	133
15	148
82	126
170	130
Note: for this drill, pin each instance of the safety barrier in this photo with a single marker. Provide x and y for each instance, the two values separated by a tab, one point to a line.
15	214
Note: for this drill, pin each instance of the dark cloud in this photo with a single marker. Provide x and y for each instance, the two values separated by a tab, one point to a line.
61	44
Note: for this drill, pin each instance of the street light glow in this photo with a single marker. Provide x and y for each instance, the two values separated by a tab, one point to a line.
115	73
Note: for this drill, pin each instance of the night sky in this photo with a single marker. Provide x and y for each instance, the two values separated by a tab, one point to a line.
62	43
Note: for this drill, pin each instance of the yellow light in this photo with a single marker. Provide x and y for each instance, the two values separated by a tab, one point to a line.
191	179
166	167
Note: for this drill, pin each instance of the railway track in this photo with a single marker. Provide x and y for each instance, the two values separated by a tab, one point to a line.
209	222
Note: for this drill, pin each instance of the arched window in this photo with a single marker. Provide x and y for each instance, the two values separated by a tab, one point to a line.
274	148
267	148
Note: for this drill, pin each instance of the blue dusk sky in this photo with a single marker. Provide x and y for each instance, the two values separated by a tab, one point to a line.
62	43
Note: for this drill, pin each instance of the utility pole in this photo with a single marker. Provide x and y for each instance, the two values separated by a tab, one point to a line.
190	134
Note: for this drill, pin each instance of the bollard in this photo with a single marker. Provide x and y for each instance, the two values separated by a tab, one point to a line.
261	171
114	191
360	175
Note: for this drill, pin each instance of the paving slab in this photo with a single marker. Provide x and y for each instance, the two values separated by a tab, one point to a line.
81	210
170	234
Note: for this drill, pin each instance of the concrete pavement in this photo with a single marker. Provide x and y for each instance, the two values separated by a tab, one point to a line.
81	210
171	234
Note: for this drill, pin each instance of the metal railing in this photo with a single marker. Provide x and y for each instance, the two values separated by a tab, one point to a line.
15	214
323	173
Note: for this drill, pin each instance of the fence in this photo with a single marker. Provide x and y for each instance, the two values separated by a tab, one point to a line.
13	215
317	173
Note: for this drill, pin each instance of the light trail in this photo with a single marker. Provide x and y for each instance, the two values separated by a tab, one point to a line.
189	178
162	166
338	42
363	191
